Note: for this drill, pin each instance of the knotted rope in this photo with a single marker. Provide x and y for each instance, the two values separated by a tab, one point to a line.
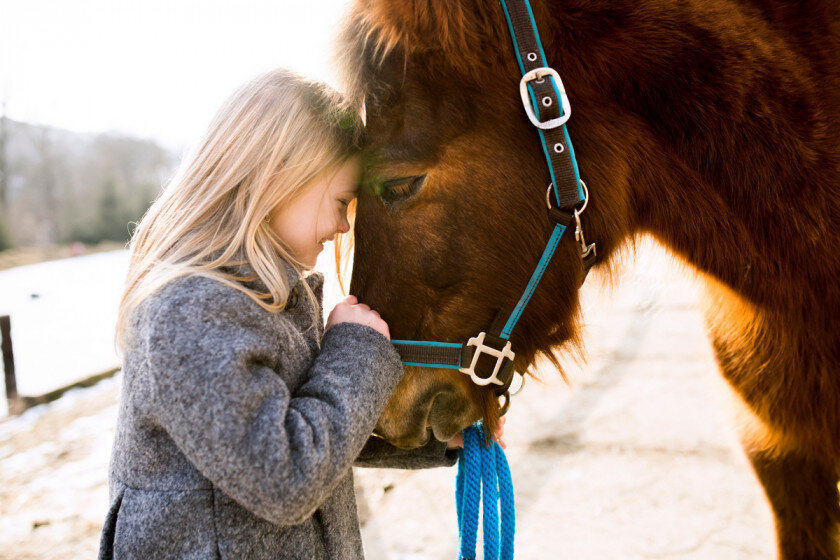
484	474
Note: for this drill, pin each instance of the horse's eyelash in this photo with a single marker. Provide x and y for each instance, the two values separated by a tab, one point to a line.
396	190
398	182
401	189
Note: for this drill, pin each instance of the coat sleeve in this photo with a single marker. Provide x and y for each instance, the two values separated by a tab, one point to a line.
276	453
378	453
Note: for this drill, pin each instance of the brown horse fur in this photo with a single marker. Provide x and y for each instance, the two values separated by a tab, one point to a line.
711	125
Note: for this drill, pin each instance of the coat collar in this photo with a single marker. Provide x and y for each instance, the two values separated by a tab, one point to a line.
315	280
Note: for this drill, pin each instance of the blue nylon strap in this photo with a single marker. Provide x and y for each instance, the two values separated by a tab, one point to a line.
423	353
508	520
469	461
490	501
569	147
484	476
553	241
459	489
425	364
428	343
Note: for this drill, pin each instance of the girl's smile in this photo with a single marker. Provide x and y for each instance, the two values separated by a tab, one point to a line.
305	223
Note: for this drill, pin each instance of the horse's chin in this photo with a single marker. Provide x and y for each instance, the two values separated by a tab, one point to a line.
412	441
449	413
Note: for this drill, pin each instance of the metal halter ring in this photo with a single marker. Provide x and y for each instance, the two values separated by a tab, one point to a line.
585	197
521	384
506	406
578	212
585	249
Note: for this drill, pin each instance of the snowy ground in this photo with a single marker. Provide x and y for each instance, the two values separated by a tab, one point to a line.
63	314
53	467
636	460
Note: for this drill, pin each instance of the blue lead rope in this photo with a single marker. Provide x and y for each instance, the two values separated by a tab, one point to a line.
484	480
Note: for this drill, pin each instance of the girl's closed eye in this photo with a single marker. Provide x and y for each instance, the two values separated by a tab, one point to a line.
346	199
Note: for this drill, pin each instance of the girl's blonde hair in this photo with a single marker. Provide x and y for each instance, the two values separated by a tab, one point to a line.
266	144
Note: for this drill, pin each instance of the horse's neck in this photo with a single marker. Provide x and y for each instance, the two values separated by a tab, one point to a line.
757	230
723	146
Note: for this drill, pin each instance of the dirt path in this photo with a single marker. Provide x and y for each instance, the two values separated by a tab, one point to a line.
637	460
53	468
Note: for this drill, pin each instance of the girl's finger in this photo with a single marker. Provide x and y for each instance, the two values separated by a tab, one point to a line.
456	442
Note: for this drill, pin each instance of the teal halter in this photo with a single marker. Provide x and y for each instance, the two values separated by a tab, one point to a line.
488	357
483	472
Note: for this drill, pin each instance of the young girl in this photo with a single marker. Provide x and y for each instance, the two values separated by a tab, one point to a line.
240	417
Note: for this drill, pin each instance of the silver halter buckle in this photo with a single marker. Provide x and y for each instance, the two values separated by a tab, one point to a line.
539	74
500	355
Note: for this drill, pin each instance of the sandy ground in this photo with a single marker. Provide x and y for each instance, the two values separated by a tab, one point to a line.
637	459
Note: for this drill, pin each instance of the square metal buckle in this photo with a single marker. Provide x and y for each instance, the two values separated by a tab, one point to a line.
540	74
481	348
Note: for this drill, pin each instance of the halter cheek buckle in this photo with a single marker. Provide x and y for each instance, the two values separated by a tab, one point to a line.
481	348
540	74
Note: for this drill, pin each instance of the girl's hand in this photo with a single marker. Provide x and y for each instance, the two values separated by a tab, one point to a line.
351	311
458	440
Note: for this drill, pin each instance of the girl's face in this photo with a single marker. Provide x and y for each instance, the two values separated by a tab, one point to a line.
319	213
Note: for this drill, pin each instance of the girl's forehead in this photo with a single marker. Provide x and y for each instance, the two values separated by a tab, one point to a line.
345	179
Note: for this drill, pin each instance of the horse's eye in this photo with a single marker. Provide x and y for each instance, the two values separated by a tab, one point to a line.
399	190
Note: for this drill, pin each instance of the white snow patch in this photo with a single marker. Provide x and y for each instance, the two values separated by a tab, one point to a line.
63	315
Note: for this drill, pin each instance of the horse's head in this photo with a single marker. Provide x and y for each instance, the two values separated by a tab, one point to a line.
455	219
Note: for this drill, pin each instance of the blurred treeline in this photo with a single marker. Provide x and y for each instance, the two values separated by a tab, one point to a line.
58	186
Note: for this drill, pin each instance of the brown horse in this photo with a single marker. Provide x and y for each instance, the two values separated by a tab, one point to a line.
710	124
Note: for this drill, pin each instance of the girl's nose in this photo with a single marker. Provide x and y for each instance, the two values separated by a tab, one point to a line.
343	226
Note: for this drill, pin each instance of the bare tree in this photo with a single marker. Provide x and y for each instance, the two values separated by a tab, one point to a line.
62	186
5	236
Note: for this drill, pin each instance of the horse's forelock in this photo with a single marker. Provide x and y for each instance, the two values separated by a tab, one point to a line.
454	32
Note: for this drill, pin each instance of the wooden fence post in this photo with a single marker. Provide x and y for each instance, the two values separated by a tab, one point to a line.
12	397
17	403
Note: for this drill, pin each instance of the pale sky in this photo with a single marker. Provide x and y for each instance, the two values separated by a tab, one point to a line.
152	68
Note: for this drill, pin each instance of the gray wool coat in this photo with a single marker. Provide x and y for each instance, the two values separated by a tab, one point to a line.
238	428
